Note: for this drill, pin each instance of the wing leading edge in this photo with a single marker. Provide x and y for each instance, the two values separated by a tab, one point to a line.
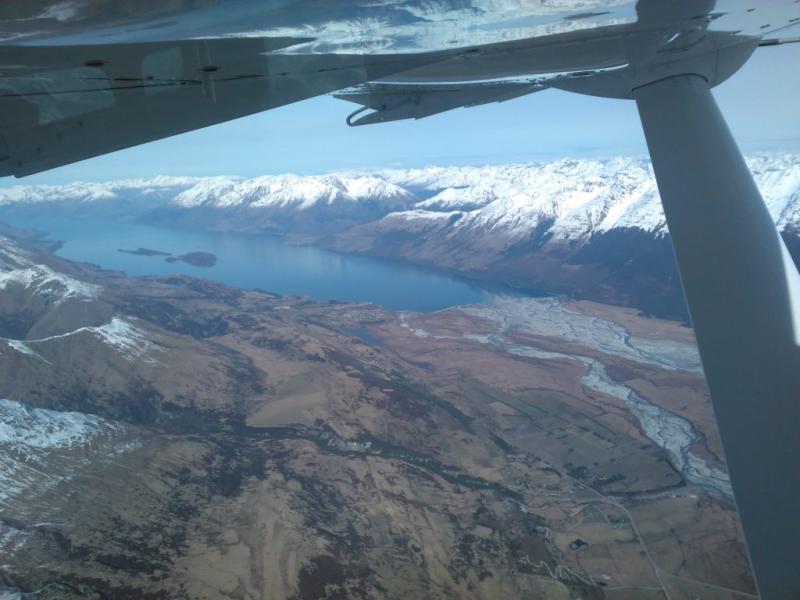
59	105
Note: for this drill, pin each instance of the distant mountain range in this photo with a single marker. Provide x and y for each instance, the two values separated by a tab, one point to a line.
588	228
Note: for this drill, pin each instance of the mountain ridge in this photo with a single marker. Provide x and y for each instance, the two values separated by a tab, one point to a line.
589	228
584	195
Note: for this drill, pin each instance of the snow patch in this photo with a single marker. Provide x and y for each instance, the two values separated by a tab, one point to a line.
23	348
130	341
46	282
22	426
40	449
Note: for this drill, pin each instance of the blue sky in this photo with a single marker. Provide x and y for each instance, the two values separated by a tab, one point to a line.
760	103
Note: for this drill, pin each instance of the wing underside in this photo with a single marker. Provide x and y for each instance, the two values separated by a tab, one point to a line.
383	102
63	104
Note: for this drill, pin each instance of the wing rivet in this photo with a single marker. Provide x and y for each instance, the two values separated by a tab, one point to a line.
210	69
95	62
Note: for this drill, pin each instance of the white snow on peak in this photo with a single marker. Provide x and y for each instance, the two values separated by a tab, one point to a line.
206	191
23	348
130	341
24	426
84	191
47	282
126	338
293	192
12	256
17	268
778	178
574	198
417	214
41	448
569	198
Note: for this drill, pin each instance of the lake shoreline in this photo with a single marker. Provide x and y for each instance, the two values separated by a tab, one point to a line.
258	261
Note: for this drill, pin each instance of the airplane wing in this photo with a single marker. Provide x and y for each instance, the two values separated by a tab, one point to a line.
61	104
397	101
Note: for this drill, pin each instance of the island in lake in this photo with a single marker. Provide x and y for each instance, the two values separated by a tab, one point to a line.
198	259
144	252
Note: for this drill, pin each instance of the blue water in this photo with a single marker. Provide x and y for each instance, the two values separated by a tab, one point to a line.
257	262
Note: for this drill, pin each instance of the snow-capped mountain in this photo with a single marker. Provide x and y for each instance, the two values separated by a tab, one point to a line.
578	198
18	270
278	204
93	192
294	192
307	204
589	227
43	296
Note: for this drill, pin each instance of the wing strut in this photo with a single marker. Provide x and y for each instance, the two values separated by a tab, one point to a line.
743	293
